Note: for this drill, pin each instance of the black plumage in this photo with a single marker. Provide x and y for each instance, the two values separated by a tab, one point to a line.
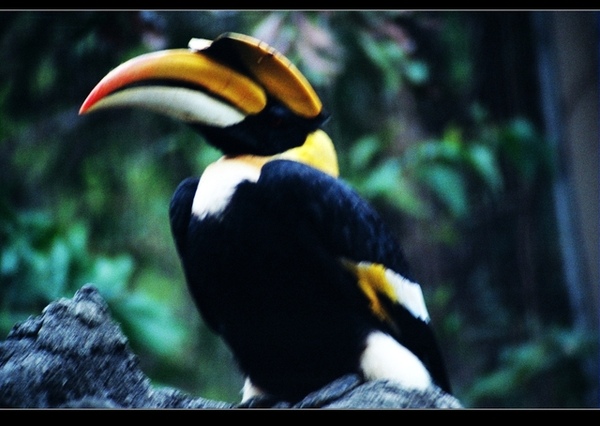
266	275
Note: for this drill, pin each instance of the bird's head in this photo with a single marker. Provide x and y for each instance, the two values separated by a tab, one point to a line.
242	95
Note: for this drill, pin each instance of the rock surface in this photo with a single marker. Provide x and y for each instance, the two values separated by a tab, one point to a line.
75	355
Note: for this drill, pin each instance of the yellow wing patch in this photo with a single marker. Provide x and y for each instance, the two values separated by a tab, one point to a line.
376	281
374	284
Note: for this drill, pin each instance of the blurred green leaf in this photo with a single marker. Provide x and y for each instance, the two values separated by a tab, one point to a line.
448	185
386	181
417	72
482	159
387	56
110	275
151	324
363	151
524	149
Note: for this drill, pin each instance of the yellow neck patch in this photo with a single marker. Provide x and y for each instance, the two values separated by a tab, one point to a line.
317	151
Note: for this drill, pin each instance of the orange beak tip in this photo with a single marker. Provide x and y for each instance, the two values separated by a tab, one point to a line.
93	97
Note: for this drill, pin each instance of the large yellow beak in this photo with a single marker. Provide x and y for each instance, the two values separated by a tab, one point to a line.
216	83
181	83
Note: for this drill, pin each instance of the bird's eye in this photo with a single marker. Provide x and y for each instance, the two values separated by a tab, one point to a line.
278	115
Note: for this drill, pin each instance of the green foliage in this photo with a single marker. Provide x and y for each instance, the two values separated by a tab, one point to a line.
42	261
454	171
525	365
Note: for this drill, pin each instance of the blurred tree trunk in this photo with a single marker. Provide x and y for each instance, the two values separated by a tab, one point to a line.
544	65
568	68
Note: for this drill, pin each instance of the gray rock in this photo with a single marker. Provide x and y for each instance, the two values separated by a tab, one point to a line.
75	356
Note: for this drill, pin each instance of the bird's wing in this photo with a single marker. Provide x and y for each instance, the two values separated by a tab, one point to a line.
349	226
353	232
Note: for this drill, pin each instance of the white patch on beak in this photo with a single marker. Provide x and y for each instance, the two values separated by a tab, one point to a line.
184	104
199	43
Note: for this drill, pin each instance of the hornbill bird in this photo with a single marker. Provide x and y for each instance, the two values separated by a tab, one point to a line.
289	265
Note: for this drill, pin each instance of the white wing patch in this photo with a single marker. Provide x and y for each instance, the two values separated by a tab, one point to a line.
217	185
385	358
377	281
409	294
